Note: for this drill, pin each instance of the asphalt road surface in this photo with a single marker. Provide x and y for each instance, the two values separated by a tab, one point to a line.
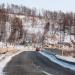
33	63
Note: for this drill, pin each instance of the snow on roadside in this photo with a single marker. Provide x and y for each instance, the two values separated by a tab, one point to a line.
59	62
5	58
66	58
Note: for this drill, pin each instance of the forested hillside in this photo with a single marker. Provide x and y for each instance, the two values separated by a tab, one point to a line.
20	25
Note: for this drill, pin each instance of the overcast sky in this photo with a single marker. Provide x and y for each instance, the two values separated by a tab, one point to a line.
64	5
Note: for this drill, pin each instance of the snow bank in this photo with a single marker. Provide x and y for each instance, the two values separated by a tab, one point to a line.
4	59
59	62
66	58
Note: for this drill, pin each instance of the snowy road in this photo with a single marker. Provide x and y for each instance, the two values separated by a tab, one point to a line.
33	63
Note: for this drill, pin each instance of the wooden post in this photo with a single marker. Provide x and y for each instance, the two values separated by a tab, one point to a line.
62	51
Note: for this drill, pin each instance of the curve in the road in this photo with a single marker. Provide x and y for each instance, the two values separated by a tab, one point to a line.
33	63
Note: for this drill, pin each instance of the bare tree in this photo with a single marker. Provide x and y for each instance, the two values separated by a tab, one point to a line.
16	30
46	29
3	19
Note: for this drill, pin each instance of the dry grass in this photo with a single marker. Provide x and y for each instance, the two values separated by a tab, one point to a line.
10	49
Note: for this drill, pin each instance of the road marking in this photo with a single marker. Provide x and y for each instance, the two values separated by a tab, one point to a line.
46	73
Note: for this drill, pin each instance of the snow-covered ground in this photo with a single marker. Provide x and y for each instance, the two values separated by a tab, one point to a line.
53	58
66	58
38	27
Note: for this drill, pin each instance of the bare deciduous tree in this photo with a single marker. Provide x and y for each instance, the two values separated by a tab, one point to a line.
16	30
3	19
